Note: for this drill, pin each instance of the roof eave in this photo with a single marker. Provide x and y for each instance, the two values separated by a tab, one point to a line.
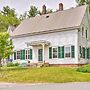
45	32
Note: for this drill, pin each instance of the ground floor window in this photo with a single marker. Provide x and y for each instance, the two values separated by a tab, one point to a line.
62	52
84	52
23	54
27	54
18	54
54	52
67	52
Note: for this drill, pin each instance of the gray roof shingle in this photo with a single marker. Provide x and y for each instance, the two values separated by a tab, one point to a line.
58	20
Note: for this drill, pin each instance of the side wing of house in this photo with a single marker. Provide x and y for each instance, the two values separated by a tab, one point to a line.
84	39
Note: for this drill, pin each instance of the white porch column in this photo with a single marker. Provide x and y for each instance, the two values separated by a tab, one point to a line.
43	45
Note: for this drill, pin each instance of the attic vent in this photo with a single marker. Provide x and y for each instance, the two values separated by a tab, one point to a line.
47	16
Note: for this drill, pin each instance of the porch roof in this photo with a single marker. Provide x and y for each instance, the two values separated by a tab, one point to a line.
36	43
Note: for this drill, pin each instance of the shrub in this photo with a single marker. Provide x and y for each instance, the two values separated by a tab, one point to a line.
11	64
84	68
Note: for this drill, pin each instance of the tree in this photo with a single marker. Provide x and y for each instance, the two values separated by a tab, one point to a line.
24	16
33	11
8	17
7	11
83	2
50	11
6	46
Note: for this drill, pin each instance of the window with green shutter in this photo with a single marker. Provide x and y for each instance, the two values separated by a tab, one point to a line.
72	51
14	55
31	54
50	52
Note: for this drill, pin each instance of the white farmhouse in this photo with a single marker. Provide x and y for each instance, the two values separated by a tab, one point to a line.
59	38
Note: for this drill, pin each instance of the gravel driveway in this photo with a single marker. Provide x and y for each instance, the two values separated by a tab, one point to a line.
59	86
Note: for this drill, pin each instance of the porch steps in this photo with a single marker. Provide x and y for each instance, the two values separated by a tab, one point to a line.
40	65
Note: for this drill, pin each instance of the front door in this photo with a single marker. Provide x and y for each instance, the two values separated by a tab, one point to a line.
40	55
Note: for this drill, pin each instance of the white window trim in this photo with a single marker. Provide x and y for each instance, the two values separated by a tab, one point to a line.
57	52
27	53
16	54
65	50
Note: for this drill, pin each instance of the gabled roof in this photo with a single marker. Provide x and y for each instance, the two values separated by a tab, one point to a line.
53	21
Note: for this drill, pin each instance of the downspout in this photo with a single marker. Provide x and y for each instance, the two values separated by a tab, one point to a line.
78	47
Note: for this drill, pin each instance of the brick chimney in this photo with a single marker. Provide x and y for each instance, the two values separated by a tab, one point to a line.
44	10
60	6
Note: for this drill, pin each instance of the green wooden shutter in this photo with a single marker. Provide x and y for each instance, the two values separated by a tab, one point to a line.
80	51
30	54
63	52
59	56
23	54
87	53
50	52
73	51
14	55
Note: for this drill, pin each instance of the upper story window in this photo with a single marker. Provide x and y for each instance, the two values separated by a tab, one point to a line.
86	34
82	31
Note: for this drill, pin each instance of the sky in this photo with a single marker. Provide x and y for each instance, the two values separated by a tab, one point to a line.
23	5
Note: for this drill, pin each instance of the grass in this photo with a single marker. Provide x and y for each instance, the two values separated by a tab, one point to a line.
42	75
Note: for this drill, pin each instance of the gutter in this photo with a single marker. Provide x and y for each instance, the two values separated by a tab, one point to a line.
45	32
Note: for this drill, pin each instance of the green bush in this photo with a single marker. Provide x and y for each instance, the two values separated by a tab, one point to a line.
84	68
11	64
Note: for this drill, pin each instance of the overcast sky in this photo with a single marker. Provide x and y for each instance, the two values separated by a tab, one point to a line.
23	5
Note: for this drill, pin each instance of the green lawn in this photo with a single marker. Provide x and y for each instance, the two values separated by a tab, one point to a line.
42	75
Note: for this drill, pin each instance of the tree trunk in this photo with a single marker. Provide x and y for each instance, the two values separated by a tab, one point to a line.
0	62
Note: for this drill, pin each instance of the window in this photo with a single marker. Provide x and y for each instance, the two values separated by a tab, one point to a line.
67	51
82	31
62	52
31	54
83	52
27	54
54	52
80	50
18	54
